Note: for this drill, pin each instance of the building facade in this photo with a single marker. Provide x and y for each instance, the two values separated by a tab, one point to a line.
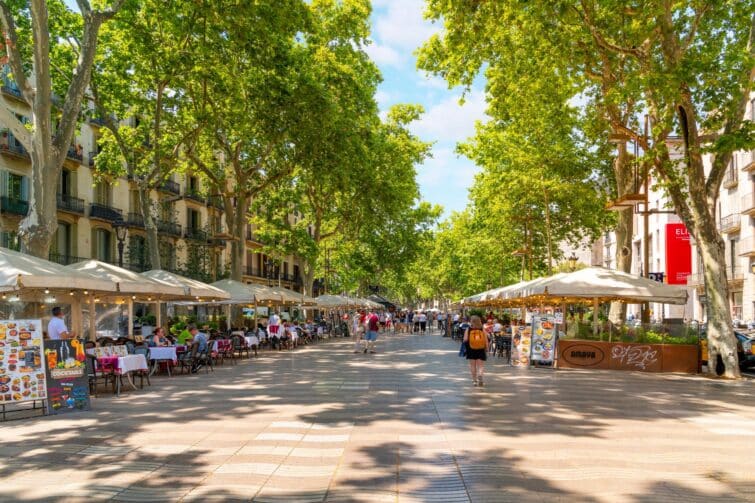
191	222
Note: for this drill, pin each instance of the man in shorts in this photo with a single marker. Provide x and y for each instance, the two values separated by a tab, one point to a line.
273	329
373	325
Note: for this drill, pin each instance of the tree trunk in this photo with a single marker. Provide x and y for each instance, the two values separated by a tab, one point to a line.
236	221
308	277
721	339
37	228
625	184
153	241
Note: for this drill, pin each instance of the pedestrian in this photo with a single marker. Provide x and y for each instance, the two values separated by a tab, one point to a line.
57	329
373	325
358	330
422	318
477	349
273	329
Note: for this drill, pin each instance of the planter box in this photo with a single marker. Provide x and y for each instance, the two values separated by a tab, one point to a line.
627	356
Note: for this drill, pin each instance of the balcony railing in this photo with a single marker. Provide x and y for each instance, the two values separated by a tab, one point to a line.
748	161
168	227
194	195
748	204
171	186
92	156
105	212
9	146
731	178
215	202
65	258
747	247
730	223
135	220
73	155
195	234
70	204
12	91
14	206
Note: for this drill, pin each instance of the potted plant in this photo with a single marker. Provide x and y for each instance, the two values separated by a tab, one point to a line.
148	324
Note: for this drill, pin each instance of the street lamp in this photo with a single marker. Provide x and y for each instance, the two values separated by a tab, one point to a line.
573	260
269	271
120	234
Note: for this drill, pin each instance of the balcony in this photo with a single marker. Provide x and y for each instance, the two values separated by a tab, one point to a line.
168	227
195	234
92	156
748	161
105	212
695	280
730	223
14	206
215	202
735	274
171	186
731	178
70	204
747	247
748	204
74	155
194	195
135	220
11	147
64	258
12	91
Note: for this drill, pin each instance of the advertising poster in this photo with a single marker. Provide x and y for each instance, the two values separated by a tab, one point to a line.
22	375
521	345
543	339
678	254
67	382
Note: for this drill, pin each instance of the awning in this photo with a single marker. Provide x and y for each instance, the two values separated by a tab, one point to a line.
20	271
192	287
128	282
244	293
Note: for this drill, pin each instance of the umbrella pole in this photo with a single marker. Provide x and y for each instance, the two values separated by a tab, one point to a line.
76	321
158	314
92	319
130	329
255	315
595	323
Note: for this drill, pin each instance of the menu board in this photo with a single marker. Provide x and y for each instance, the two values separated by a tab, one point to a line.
543	339
521	341
67	381
22	375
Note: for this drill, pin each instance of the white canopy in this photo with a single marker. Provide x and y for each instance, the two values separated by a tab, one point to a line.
605	284
292	297
243	293
128	282
19	271
333	302
191	287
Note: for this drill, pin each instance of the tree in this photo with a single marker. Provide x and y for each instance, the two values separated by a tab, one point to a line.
138	89
36	44
688	65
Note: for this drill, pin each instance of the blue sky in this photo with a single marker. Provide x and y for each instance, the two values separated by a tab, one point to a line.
398	29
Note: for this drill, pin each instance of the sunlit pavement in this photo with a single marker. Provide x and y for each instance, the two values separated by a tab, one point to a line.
324	424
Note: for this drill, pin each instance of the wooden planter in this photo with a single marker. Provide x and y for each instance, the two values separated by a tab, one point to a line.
578	354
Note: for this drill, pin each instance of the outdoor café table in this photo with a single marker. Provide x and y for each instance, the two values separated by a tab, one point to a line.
252	340
123	366
161	354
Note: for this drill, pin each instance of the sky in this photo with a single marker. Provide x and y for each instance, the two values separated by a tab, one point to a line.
398	29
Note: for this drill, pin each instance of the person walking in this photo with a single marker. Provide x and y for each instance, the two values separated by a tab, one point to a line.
373	325
357	328
477	349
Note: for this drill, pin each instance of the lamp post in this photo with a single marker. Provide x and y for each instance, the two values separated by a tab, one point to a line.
269	271
573	260
120	234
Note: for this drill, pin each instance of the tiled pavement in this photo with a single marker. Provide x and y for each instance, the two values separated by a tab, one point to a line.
323	424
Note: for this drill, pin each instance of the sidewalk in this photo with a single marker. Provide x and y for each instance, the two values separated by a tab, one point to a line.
324	424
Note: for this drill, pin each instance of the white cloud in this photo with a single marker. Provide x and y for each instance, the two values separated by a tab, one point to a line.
448	121
384	55
383	99
433	82
402	25
446	178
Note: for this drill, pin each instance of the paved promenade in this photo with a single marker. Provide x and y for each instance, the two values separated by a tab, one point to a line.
324	424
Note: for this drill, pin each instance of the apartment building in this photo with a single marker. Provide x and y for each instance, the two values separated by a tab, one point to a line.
191	222
736	223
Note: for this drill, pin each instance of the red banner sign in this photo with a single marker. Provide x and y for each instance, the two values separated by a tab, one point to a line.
678	254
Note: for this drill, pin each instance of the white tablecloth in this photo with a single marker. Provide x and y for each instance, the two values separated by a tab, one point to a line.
163	353
237	332
132	362
252	340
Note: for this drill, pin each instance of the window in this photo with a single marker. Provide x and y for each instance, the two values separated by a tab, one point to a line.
167	213
9	239
193	184
285	269
62	243
167	255
66	186
193	219
736	305
133	201
138	253
102	193
296	272
102	247
15	186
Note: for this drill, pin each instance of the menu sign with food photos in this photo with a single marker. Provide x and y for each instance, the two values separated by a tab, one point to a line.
67	381
22	374
520	345
543	339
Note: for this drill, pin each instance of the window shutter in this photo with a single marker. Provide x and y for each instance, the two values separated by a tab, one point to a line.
25	188
3	183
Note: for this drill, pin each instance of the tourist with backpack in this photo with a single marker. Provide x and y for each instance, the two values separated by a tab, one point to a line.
477	349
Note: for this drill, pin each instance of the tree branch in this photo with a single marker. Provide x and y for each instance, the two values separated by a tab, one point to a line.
690	38
14	55
601	40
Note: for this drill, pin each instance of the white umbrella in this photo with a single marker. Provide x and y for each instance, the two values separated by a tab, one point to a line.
243	293
192	287
129	282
